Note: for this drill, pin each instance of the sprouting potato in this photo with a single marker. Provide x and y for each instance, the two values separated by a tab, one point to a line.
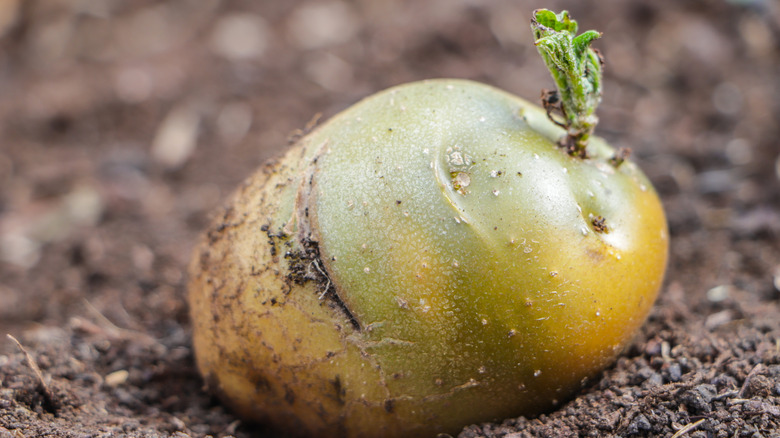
439	254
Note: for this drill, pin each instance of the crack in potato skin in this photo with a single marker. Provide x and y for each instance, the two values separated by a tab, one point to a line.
267	344
391	330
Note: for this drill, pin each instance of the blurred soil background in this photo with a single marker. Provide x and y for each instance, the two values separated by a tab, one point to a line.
123	124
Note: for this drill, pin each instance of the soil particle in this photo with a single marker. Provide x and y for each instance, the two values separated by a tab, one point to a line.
599	225
306	265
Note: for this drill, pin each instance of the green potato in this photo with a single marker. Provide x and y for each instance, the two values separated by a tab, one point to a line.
427	259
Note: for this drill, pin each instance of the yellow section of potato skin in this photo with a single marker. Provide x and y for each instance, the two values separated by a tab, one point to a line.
466	247
271	349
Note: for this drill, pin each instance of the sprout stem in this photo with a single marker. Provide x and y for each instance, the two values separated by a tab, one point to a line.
576	69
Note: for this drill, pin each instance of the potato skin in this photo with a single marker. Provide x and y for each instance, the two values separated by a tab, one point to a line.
425	260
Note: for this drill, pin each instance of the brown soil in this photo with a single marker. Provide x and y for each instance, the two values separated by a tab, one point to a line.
123	124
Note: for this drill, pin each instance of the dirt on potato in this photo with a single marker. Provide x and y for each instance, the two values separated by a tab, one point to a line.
123	125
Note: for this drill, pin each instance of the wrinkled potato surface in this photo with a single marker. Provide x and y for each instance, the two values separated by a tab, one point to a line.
427	259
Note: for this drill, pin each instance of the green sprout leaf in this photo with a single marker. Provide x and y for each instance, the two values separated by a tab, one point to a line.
576	70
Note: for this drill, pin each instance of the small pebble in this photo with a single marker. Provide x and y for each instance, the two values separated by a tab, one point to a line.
675	373
176	137
718	293
240	36
117	378
322	24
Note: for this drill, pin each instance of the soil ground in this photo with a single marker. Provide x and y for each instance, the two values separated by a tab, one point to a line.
124	124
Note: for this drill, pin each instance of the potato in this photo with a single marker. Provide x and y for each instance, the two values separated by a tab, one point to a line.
427	259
